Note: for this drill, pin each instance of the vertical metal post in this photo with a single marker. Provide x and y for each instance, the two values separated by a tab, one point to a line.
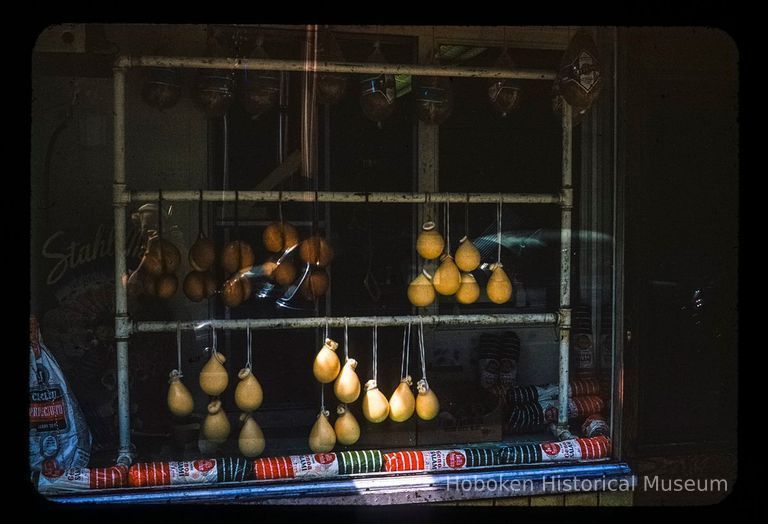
565	272
428	165
122	325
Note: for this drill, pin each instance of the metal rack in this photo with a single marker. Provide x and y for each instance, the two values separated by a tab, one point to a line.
122	196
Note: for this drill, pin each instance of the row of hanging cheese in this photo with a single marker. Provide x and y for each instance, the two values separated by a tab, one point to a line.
375	406
454	277
156	276
213	381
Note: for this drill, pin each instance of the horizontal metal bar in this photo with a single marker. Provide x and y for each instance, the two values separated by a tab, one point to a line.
346	196
319	322
331	67
377	489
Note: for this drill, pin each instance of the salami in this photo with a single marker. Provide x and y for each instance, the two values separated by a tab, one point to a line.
81	479
576	388
202	471
296	466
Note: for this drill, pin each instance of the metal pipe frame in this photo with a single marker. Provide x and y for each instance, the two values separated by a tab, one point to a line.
122	197
561	428
343	197
353	322
256	64
122	326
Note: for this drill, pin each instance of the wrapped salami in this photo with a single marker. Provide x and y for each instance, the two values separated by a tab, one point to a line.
580	77
203	471
576	449
576	388
81	479
520	454
430	460
534	415
296	466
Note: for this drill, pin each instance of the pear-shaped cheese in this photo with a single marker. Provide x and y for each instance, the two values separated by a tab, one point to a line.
421	293
347	385
248	393
447	279
213	376
251	439
427	405
346	427
327	365
216	425
430	242
469	290
322	438
467	256
402	402
499	288
179	398
375	405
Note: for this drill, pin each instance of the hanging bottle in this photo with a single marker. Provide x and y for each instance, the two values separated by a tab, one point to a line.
430	243
213	376
421	292
322	438
251	439
327	365
248	393
346	427
469	291
216	425
179	398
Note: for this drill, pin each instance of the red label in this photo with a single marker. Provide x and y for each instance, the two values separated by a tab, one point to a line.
204	465
325	458
51	469
551	448
550	414
454	459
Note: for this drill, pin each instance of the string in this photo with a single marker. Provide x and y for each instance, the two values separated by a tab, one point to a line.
402	357
248	363
213	339
466	218
327	330
178	346
346	340
200	215
448	227
498	235
160	227
237	221
406	351
375	350
421	352
322	397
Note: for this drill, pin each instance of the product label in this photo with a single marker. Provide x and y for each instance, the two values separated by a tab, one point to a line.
47	411
583	71
78	479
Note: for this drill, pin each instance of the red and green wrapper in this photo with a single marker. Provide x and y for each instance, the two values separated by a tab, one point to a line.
318	465
173	473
